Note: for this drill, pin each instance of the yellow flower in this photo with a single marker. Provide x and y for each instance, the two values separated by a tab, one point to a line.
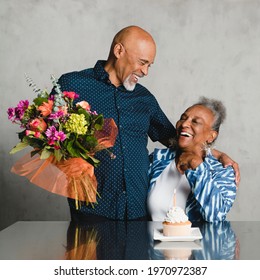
77	124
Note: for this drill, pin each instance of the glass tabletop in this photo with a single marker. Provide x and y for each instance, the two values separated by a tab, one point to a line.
50	240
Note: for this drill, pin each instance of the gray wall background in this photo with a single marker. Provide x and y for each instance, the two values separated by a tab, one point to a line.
205	47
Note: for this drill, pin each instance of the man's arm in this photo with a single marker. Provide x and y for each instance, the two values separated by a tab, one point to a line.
190	160
227	161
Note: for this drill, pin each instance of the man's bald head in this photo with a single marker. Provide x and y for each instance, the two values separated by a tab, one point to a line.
131	35
131	54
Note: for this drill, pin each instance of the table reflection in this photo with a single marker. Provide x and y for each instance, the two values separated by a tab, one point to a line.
134	241
219	242
107	240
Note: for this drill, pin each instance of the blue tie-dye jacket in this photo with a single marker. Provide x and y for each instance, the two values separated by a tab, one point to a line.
213	188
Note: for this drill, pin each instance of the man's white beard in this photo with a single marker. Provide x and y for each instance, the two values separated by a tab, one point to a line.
128	84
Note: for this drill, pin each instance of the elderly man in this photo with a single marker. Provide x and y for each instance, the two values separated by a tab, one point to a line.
112	88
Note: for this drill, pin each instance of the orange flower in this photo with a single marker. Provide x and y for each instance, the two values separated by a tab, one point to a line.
38	125
63	109
46	108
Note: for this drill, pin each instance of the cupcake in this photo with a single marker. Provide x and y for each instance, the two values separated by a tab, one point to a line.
176	223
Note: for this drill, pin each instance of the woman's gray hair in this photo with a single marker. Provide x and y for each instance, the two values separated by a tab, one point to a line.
216	107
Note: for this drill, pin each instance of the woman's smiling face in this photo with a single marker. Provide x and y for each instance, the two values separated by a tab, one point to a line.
194	128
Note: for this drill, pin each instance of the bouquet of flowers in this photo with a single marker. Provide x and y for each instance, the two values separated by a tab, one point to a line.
64	136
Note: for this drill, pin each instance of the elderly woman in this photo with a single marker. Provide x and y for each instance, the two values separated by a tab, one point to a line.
201	184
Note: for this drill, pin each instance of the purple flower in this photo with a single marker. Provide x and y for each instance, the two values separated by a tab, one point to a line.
19	112
57	115
16	114
61	136
11	114
21	108
54	135
23	104
93	113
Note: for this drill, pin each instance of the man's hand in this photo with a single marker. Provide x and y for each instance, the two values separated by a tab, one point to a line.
188	160
227	161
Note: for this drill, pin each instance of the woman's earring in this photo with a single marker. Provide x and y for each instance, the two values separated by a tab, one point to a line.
207	147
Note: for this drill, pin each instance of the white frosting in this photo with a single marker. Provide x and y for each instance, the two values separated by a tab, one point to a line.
176	215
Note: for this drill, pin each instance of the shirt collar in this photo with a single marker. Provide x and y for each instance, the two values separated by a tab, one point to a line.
101	75
100	72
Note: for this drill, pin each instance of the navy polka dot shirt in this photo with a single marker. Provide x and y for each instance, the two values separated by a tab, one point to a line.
123	181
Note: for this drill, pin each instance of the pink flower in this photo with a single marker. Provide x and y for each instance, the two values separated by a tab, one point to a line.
57	115
70	94
36	134
84	104
54	135
51	142
38	125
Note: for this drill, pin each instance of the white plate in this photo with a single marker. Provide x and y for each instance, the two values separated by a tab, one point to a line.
195	235
193	245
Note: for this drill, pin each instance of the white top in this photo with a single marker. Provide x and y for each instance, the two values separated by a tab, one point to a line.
160	198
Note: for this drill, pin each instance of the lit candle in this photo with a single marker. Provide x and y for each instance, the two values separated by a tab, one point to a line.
174	198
